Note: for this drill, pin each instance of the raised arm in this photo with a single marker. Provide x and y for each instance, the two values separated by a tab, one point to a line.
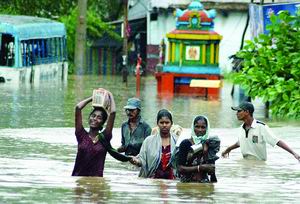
228	149
284	146
112	115
78	113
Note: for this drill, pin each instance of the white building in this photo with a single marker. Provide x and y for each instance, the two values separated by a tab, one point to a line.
159	16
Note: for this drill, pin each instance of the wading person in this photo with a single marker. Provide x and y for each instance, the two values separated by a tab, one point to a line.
253	136
196	155
156	155
134	130
175	129
91	153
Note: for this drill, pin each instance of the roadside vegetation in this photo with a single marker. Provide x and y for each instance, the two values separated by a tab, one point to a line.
271	66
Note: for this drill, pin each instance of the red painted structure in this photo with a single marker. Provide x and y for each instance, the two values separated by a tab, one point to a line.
193	55
166	84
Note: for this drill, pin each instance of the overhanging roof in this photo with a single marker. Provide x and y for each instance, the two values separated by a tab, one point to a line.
28	27
136	26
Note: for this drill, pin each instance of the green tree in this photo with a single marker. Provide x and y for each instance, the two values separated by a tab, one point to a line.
271	66
107	10
95	29
46	8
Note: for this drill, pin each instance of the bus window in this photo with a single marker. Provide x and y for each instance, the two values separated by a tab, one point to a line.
7	50
26	53
10	54
48	50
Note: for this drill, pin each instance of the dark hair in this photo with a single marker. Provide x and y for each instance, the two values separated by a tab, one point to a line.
164	113
200	117
103	113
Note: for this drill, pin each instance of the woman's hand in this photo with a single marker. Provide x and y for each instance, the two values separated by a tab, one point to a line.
135	161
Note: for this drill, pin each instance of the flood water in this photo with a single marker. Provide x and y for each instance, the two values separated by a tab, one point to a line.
38	149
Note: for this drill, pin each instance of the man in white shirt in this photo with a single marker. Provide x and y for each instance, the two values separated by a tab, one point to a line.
253	136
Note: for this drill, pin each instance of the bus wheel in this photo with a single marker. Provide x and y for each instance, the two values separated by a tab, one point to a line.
2	80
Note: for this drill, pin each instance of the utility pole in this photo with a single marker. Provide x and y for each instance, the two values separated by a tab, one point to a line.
125	39
80	43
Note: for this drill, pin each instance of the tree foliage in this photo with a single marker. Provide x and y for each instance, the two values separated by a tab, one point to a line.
107	10
95	29
48	9
271	66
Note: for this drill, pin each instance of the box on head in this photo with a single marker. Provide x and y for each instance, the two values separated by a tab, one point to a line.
101	99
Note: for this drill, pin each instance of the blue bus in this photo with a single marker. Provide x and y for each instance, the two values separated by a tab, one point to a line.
32	49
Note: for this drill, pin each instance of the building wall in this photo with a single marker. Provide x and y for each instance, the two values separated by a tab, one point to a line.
158	29
101	60
231	27
165	23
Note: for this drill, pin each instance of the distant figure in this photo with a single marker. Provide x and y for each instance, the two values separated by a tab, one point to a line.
138	68
156	155
91	153
162	47
197	155
254	135
139	59
135	130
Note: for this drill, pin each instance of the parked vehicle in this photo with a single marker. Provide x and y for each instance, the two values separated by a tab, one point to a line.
32	49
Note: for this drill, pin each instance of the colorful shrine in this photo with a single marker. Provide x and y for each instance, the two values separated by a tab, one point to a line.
192	65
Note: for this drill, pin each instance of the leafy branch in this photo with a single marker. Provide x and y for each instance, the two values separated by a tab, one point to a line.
271	66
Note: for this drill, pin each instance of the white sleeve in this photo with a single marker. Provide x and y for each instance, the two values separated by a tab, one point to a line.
241	134
269	136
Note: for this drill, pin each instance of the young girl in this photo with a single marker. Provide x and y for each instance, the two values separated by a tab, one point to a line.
91	153
156	154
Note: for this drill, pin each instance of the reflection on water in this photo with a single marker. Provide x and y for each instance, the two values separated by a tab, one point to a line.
92	190
36	164
196	192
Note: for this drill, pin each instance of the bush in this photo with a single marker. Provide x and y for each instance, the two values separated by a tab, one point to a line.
271	66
